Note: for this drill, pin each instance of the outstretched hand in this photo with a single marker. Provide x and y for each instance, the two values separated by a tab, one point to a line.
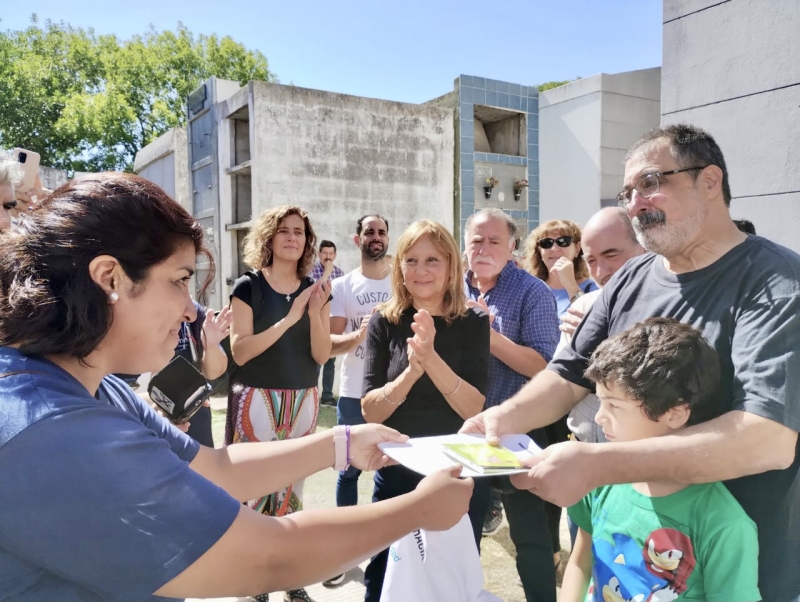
445	498
492	423
364	451
563	473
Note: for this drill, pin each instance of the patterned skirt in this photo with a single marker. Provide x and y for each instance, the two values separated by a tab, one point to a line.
272	415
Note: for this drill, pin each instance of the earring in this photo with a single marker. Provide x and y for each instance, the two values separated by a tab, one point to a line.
113	297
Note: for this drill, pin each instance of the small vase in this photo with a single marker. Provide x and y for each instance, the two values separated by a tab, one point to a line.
517	194
487	191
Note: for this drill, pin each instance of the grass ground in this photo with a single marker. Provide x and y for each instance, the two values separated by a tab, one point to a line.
497	552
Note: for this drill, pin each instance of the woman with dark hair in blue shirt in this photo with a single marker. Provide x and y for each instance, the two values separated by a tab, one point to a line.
103	499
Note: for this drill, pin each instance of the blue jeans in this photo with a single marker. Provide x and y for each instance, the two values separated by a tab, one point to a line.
348	411
328	373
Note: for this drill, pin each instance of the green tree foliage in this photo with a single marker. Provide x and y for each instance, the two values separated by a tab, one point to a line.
89	102
550	85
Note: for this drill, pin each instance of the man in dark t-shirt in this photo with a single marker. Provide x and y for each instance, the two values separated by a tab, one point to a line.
743	292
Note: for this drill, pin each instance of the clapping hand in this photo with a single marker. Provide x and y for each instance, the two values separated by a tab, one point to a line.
300	302
421	344
216	326
481	304
322	289
362	329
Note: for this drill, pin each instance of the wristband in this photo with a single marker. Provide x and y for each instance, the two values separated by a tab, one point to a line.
349	457
341	447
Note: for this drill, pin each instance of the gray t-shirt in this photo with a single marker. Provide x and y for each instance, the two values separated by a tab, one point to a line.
747	304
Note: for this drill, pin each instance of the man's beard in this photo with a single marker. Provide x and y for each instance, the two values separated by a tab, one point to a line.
373	254
657	236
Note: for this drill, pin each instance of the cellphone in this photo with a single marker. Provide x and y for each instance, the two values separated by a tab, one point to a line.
179	390
29	161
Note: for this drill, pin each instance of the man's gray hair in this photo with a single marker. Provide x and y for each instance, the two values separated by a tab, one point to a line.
10	170
493	213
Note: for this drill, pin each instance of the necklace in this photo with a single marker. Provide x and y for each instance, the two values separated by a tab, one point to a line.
283	292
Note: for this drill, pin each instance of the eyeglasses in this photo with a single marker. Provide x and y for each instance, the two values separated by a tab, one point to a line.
561	241
649	183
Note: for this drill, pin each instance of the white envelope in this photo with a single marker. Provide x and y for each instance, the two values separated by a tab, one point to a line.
425	455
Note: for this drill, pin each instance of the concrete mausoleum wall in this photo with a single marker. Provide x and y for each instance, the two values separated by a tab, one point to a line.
733	68
585	129
165	162
341	156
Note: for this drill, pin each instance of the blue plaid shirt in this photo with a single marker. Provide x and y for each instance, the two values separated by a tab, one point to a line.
318	269
525	312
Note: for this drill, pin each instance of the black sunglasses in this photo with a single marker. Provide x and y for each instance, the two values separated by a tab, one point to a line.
561	241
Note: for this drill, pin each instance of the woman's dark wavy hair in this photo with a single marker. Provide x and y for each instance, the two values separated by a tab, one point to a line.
48	302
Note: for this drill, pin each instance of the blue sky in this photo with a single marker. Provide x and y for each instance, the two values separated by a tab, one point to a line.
410	50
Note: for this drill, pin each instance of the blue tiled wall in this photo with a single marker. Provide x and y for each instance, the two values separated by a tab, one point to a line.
474	90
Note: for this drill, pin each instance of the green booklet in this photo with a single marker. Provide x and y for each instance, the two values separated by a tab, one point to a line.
482	457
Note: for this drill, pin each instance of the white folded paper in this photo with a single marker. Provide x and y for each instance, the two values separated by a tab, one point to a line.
425	455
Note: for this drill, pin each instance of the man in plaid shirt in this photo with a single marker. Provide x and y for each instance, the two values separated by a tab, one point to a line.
327	254
523	339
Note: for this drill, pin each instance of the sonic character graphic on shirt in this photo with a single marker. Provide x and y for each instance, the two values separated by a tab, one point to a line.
657	572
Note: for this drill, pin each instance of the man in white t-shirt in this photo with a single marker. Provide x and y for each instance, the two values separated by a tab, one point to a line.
608	241
355	295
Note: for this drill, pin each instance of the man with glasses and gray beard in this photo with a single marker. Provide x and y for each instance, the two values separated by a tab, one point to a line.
743	292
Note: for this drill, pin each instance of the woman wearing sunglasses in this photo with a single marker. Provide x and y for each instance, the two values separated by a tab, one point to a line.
554	255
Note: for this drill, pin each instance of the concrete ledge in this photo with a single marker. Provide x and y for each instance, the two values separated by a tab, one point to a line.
166	143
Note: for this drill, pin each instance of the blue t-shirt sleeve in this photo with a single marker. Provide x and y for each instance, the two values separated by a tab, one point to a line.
96	496
181	444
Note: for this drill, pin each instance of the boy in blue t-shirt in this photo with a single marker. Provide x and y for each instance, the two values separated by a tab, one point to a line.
657	541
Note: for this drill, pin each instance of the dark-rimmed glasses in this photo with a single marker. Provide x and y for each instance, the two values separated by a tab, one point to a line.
649	184
561	241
